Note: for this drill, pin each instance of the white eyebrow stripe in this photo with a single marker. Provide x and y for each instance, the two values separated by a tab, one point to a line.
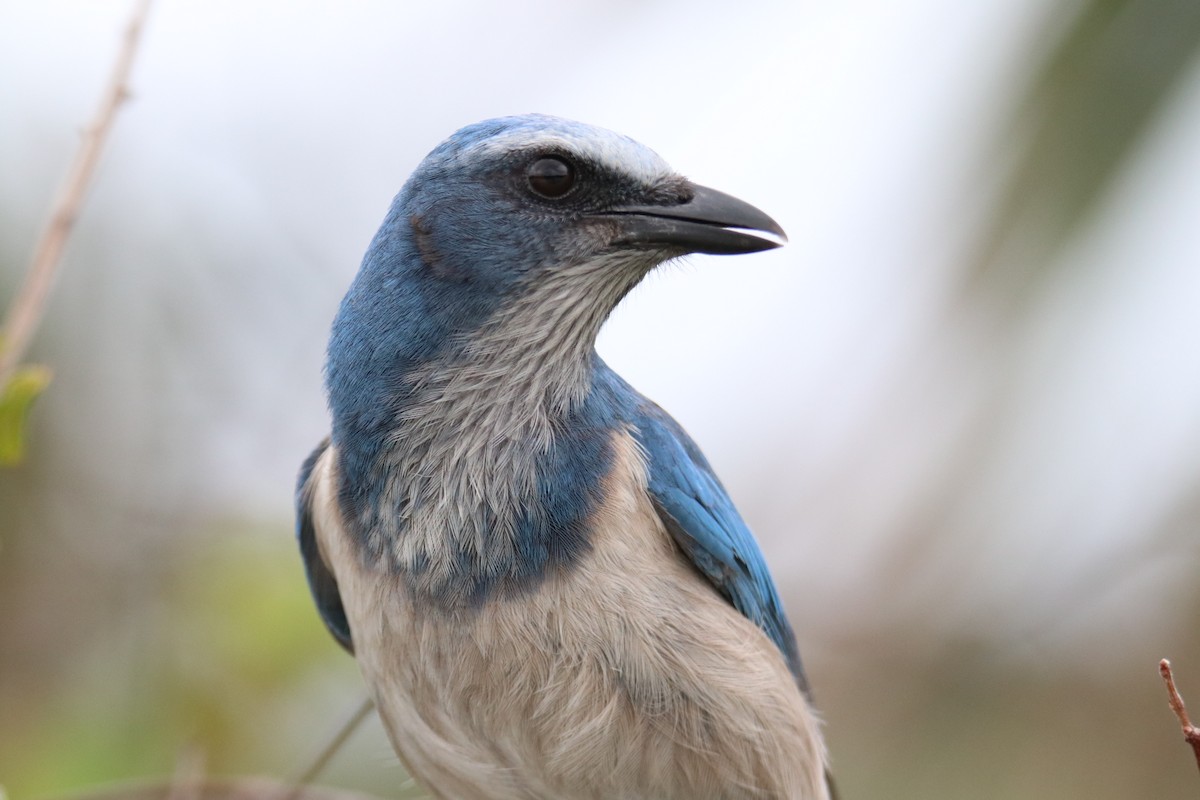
613	151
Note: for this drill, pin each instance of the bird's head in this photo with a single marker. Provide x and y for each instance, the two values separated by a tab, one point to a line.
507	205
518	236
504	199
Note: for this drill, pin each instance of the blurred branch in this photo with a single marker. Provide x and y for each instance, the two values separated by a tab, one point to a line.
1078	122
323	757
29	303
1190	732
233	788
188	781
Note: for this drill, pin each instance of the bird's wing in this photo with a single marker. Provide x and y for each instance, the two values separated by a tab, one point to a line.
320	579
704	523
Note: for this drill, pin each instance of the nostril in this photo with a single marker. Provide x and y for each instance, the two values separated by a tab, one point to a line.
675	192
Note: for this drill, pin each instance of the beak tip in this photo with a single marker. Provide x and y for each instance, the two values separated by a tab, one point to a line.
774	228
775	235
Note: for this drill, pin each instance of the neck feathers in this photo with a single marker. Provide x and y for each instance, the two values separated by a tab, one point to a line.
492	459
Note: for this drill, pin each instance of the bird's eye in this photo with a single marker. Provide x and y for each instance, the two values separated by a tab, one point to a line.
550	177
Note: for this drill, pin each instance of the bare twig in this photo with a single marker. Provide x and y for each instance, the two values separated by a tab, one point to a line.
188	781
330	749
1190	732
30	301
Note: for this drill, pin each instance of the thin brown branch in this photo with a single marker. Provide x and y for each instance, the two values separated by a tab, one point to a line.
1190	732
29	303
188	781
329	750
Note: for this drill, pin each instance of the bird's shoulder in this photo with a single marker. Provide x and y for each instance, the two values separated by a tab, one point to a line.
699	514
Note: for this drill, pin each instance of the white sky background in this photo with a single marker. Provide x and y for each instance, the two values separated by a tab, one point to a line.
266	140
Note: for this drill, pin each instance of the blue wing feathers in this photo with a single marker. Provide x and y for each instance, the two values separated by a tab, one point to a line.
702	519
320	580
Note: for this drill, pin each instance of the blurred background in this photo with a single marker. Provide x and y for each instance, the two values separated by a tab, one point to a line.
961	408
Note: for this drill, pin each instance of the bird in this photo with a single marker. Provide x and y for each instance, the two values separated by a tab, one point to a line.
547	589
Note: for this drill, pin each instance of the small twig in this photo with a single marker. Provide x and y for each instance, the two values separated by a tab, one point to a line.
29	303
188	780
322	758
1190	732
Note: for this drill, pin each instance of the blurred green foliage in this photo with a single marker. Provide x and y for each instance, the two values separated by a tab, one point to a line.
222	662
16	399
1082	116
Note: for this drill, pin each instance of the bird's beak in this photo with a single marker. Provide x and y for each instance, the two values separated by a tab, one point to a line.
710	222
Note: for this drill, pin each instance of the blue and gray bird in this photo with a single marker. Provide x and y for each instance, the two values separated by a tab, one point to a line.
548	590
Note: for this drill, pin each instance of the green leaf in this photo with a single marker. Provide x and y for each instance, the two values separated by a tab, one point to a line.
15	401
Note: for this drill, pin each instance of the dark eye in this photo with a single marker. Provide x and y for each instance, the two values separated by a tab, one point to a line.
550	177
